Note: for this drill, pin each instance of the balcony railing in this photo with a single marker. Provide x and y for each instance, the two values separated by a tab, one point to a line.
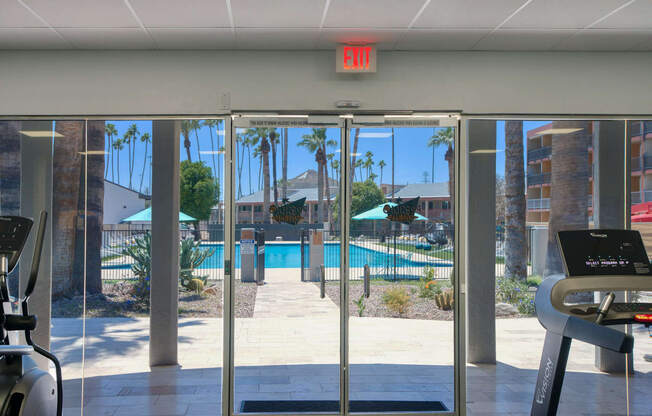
540	153
542	203
538	179
636	197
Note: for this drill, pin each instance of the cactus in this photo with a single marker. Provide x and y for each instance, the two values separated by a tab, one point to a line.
196	285
445	300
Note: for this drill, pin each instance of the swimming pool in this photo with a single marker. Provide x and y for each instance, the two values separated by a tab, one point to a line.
289	255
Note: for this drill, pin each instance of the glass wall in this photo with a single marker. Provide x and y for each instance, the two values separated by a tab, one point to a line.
401	281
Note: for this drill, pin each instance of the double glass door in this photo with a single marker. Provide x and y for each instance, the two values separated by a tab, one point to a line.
339	265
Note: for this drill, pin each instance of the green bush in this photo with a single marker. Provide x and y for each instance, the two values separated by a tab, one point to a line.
196	285
534	280
428	287
397	299
445	300
360	304
140	253
516	293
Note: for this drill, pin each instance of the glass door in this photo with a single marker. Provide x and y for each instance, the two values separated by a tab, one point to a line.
402	297
285	281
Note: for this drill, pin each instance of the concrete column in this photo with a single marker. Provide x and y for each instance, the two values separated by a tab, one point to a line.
164	281
609	196
35	196
481	242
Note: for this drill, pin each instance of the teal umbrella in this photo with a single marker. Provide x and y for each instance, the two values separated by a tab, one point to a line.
146	216
378	214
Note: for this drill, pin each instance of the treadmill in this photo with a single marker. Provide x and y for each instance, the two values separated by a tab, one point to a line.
594	260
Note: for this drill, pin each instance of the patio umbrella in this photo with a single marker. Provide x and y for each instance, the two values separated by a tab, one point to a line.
146	216
378	213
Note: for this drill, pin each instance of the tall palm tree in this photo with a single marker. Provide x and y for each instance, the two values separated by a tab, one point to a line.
118	145
195	125
239	150
110	132
284	168
145	138
446	137
10	164
264	152
368	163
186	127
273	140
381	165
213	124
431	143
515	209
569	186
132	136
335	164
358	164
316	143
330	157
94	205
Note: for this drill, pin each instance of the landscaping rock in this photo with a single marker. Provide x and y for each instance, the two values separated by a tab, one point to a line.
506	309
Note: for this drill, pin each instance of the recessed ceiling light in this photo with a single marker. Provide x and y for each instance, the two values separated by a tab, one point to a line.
40	133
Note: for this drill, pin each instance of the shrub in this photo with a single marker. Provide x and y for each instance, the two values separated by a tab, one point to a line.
360	304
191	256
397	299
140	252
196	285
516	293
534	280
428	287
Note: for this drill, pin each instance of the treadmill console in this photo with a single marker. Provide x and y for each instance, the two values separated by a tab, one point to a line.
603	252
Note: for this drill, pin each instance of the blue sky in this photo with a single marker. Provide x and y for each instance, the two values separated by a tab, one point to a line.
412	155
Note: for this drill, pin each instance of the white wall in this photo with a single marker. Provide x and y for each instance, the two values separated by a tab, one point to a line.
192	82
119	203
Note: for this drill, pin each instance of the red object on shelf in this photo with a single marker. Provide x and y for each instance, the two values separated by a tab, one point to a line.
643	318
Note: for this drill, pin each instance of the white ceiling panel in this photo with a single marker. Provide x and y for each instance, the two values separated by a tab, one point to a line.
32	38
466	13
181	38
107	38
13	14
562	14
440	39
637	15
277	13
606	40
275	38
383	39
372	13
523	39
182	13
84	13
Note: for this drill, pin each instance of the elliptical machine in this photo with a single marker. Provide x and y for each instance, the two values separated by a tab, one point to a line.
25	389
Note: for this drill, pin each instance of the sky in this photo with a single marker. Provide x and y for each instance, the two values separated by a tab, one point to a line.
413	157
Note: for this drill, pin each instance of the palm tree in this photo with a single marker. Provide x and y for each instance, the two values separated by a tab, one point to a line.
110	132
94	206
145	138
381	165
569	186
432	144
446	137
317	143
330	157
335	164
239	151
284	168
264	151
213	124
118	145
368	163
515	237
358	165
186	126
130	137
273	140
195	126
354	153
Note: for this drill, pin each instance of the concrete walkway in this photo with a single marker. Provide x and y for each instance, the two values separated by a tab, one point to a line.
284	295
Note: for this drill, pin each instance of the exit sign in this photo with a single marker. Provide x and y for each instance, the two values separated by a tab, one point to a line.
355	58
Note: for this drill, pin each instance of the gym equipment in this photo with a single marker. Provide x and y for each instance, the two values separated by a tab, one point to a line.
25	390
594	260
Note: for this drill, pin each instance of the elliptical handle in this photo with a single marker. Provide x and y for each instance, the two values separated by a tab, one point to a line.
36	257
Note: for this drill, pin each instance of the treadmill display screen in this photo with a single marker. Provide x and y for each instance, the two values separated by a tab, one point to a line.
603	252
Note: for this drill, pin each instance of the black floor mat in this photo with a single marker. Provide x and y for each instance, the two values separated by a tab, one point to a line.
359	406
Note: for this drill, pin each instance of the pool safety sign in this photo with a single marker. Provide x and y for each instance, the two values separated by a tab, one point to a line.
247	246
355	58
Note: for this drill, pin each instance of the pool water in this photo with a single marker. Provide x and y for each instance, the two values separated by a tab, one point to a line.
289	255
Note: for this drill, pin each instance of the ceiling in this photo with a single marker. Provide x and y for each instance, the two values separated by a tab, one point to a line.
532	25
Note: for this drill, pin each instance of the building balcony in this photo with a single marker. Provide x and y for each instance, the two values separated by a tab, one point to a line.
539	154
538	178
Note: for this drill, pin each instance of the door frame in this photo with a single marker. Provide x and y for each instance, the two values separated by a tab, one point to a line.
345	122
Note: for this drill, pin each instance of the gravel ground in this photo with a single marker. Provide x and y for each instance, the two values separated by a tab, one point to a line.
117	301
420	308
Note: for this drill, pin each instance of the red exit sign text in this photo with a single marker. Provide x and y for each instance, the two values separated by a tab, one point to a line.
352	58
